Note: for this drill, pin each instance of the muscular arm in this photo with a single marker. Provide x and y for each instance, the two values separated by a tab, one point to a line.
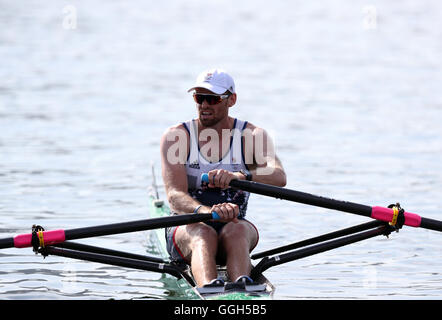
261	158
174	149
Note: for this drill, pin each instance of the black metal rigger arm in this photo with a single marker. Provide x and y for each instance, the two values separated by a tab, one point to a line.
115	258
317	245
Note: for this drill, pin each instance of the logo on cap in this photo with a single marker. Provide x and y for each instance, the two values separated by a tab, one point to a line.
208	77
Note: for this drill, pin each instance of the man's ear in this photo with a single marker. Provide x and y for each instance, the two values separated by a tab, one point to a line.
232	100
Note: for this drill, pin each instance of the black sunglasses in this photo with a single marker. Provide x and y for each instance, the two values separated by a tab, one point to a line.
211	99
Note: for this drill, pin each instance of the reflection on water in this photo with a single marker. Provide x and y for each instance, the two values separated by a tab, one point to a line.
350	93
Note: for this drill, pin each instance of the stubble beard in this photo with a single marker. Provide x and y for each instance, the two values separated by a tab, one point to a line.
208	122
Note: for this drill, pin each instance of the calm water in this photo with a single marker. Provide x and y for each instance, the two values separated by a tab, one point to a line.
350	92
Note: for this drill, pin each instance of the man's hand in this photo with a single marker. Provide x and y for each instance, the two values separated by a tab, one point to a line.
226	211
221	178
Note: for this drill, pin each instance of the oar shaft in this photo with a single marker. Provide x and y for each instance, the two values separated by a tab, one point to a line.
58	236
6	243
134	226
301	197
378	213
432	224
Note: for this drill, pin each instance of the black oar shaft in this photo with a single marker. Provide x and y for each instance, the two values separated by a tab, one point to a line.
58	236
379	213
431	224
301	197
6	243
133	226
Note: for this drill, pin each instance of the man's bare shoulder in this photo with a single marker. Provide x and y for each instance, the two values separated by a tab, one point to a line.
254	129
172	132
175	128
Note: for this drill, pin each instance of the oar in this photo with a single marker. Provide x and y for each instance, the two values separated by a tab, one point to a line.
379	213
46	238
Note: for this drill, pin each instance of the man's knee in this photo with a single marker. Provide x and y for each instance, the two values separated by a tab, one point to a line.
195	237
237	234
203	235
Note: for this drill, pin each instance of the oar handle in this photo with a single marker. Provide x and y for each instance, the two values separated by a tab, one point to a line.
205	177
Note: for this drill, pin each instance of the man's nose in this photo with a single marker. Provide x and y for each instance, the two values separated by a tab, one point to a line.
204	104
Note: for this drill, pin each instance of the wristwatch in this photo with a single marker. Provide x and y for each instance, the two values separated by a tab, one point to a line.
246	174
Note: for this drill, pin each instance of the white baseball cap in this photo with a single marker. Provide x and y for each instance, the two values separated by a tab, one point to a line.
216	80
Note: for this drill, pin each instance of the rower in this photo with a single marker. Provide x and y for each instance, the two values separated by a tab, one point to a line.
226	148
